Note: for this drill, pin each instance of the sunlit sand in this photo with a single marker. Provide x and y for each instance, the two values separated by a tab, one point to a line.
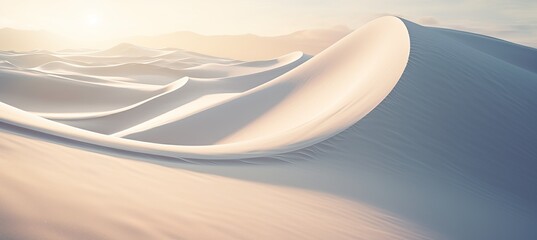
396	131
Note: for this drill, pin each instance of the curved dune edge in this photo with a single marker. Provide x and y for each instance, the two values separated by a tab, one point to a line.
306	105
86	115
161	90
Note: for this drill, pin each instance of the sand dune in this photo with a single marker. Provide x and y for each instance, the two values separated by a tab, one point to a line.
247	47
244	47
28	60
397	131
27	89
276	116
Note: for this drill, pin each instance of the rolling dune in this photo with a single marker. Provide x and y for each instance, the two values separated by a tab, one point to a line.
397	131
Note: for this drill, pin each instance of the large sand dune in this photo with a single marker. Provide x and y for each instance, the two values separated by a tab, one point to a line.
397	131
220	116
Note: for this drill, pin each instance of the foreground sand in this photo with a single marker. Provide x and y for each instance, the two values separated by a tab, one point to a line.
54	192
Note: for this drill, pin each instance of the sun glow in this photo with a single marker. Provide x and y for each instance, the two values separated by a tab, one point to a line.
93	20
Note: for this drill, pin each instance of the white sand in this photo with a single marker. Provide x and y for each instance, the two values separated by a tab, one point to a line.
72	194
398	131
308	104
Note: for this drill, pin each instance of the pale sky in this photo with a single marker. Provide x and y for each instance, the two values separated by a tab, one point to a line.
514	20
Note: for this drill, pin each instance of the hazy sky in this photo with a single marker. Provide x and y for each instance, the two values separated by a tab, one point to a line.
515	20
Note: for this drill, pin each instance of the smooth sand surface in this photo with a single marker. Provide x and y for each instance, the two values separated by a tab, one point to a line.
72	194
398	131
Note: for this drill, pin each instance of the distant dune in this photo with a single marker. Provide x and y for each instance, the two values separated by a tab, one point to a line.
396	131
27	40
242	47
247	47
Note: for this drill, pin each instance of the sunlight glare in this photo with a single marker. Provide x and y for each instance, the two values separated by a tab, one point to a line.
93	20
